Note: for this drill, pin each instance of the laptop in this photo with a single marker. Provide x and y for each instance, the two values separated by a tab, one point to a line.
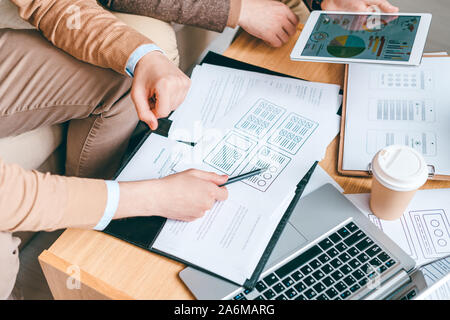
328	250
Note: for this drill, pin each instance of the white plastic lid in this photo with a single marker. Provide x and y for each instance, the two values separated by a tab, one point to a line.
400	168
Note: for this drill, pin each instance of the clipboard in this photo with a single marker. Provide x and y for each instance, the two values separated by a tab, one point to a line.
143	231
368	173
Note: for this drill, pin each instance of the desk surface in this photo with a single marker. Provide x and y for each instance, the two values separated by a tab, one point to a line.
111	268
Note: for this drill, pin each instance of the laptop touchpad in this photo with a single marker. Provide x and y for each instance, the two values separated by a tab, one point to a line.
290	241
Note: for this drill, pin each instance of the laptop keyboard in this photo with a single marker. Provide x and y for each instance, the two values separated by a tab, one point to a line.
336	268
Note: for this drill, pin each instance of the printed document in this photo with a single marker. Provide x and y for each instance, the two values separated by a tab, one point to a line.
435	271
438	291
216	90
398	105
156	158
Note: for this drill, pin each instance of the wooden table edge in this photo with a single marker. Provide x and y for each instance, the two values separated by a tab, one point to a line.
79	284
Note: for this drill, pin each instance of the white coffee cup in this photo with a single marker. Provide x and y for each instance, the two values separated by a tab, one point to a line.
398	171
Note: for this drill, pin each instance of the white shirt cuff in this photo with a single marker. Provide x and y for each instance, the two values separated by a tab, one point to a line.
112	203
138	54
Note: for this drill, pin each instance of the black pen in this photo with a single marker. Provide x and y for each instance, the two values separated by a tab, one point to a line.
244	176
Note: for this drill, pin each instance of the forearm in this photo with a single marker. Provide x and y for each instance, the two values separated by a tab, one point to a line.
137	198
209	14
100	38
33	201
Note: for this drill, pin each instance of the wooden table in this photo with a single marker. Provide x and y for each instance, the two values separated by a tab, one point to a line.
109	268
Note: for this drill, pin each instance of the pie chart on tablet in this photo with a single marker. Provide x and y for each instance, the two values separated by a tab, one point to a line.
346	46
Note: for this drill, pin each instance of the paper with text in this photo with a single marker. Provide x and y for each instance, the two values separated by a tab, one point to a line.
156	158
398	105
435	271
438	291
216	91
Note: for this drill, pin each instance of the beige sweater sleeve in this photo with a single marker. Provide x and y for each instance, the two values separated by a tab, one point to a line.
32	201
83	29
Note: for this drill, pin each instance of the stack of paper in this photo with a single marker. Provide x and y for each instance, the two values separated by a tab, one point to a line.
266	129
248	121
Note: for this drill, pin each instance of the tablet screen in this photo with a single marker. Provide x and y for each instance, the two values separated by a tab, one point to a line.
375	37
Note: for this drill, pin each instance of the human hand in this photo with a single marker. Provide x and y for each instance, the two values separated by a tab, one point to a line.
271	21
181	196
159	87
361	6
358	5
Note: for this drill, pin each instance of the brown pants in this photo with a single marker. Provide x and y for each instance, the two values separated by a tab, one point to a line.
41	85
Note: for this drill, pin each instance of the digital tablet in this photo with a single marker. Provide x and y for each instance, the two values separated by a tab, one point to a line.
344	37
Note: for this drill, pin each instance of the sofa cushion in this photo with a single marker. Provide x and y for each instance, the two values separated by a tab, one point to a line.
31	149
10	16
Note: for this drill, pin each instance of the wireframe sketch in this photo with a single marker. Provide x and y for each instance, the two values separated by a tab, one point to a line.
268	158
230	152
293	133
260	118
